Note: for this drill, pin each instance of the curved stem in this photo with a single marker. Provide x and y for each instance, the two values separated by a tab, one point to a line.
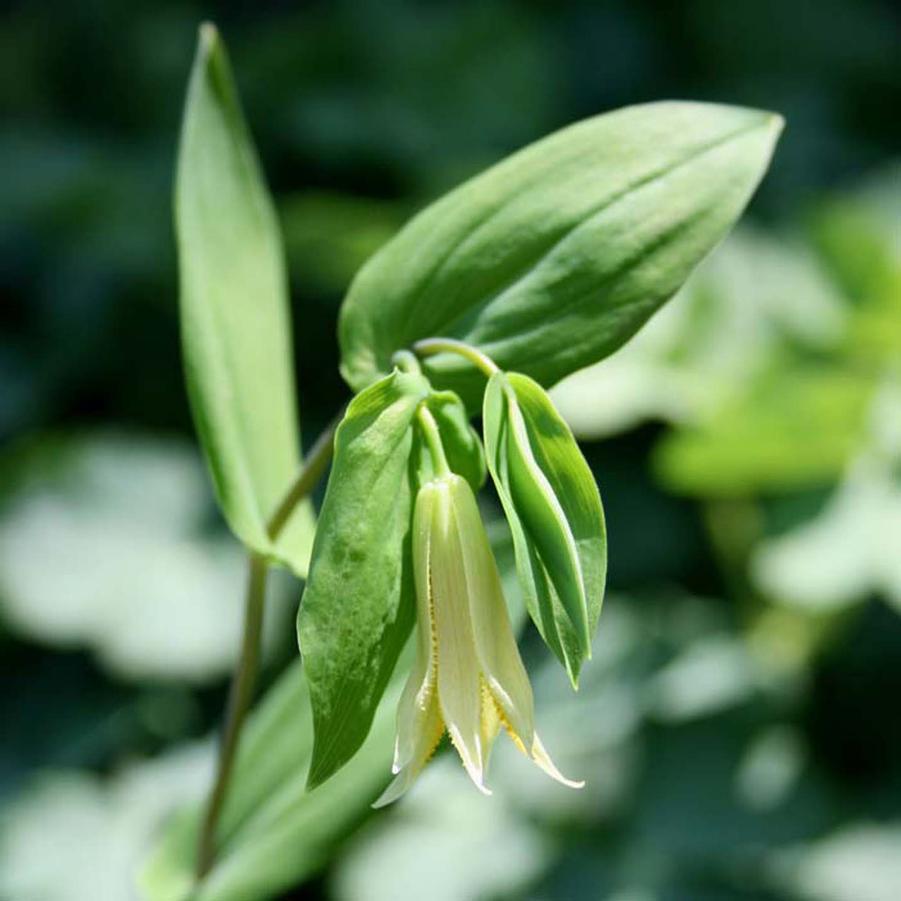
431	346
433	439
238	703
406	362
241	692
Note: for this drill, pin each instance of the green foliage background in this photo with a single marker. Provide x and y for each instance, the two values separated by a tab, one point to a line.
737	725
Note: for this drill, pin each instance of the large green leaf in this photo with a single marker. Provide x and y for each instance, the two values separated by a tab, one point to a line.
273	832
554	510
357	609
552	259
235	318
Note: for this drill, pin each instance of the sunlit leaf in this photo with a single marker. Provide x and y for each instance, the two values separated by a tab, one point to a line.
857	862
850	550
857	234
752	298
552	259
235	320
447	823
95	829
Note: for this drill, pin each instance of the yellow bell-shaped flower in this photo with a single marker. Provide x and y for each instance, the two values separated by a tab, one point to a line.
468	678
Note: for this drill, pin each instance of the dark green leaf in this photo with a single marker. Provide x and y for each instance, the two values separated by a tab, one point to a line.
552	259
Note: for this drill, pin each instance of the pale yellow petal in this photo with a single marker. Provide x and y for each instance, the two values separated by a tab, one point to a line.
428	734
416	712
423	516
490	724
541	757
499	658
414	708
459	680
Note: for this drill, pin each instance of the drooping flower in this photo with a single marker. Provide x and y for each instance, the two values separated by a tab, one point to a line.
468	678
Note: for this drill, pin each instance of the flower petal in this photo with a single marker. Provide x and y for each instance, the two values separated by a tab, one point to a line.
459	679
423	740
491	722
541	757
499	658
416	712
414	709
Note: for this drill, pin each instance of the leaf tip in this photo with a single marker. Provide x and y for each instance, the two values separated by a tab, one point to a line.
572	668
775	122
316	775
207	37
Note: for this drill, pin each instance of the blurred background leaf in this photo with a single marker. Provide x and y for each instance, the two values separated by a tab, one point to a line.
103	545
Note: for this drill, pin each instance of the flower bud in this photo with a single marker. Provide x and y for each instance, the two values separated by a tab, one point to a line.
554	510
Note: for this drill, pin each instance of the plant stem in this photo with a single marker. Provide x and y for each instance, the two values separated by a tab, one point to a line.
433	439
238	703
406	362
244	679
431	346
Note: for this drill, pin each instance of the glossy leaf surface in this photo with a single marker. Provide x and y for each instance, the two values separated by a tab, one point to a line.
552	259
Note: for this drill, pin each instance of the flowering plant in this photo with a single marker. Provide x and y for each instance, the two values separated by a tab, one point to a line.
542	265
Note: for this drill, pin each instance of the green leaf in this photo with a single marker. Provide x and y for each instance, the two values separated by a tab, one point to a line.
273	832
857	235
552	259
460	441
357	609
554	510
235	319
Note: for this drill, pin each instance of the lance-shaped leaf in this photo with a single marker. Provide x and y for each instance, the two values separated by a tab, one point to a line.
553	258
357	608
235	319
460	440
554	510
